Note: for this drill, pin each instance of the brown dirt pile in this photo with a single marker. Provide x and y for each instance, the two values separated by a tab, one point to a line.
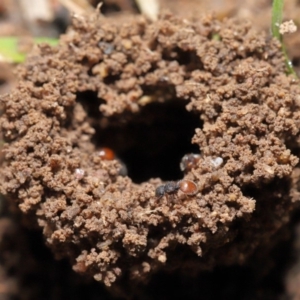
102	77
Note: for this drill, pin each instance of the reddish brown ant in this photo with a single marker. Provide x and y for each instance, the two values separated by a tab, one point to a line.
106	153
171	188
188	187
189	161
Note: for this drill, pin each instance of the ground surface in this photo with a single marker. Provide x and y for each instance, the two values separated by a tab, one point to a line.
164	89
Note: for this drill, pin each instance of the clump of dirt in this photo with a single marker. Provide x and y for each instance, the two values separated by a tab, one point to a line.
28	271
119	85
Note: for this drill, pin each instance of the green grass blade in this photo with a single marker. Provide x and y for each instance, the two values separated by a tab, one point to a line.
277	9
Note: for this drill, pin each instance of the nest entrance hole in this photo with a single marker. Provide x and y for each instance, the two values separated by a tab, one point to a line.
151	142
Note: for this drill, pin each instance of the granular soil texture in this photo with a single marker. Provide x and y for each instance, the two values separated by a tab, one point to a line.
126	85
28	270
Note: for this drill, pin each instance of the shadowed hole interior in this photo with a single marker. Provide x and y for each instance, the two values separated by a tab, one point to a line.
151	142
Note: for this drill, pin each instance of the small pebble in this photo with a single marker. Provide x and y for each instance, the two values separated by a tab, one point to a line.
217	162
79	173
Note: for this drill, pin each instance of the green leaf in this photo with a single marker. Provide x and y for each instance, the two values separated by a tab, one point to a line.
9	48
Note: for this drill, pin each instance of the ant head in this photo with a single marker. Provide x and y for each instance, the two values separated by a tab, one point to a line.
160	191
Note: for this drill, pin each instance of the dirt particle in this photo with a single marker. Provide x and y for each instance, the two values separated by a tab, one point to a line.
287	27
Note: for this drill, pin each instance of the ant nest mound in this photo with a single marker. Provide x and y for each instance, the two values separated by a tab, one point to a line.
74	99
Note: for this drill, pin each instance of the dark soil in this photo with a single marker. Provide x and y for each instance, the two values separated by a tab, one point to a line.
152	92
